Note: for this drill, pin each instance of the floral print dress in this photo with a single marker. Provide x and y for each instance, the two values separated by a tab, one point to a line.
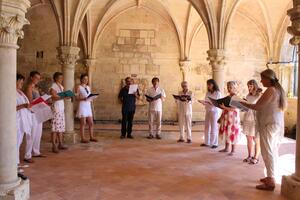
230	126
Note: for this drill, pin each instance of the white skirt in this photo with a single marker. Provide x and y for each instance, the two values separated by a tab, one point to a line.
84	109
249	128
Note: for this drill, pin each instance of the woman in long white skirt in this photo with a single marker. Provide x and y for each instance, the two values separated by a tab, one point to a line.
270	123
24	115
84	112
33	141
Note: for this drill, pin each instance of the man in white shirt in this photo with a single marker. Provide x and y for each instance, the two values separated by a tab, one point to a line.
155	95
185	112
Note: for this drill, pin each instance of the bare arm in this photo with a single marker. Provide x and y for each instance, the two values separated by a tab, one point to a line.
264	99
28	93
54	95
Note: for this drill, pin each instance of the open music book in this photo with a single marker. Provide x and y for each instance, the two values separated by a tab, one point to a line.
65	94
91	97
234	102
182	97
153	98
42	99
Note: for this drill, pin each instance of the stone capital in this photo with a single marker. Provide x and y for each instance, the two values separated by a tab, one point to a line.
294	29
68	55
12	20
216	58
185	65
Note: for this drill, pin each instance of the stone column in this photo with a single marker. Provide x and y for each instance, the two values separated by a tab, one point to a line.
290	186
91	65
216	59
185	68
68	56
12	19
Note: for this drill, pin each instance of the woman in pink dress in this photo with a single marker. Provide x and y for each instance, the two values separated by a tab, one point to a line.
230	122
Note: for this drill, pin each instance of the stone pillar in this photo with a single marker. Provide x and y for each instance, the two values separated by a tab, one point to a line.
216	59
68	56
91	66
290	186
185	68
12	20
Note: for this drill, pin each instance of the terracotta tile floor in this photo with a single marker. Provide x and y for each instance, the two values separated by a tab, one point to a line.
142	169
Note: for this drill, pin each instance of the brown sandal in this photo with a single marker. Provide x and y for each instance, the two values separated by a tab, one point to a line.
93	140
253	161
85	141
265	187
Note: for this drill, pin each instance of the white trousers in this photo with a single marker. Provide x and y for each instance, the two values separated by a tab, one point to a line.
20	136
33	141
269	142
155	122
211	128
185	124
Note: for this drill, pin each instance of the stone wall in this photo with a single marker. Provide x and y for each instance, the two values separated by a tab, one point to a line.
144	48
38	48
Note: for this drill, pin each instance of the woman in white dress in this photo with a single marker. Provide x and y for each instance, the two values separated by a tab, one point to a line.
211	115
24	115
58	107
270	122
84	112
249	123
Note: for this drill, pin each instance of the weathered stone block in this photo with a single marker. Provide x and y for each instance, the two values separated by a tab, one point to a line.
143	34
123	61
138	55
143	61
140	41
135	33
119	69
134	69
124	33
115	48
126	69
151	34
148	41
129	40
153	42
128	55
121	40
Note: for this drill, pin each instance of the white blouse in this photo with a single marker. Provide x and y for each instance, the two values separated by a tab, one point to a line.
24	115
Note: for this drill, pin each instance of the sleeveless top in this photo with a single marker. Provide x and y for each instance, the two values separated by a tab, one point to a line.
59	105
271	114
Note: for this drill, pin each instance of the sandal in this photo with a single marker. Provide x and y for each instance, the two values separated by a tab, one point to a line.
254	161
84	141
39	156
265	187
93	140
223	151
248	159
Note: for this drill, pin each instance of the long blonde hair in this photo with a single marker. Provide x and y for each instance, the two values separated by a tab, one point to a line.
270	74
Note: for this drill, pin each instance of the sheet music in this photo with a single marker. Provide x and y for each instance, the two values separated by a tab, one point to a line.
133	89
42	112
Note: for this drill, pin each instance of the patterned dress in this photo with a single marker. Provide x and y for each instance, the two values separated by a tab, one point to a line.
58	121
230	126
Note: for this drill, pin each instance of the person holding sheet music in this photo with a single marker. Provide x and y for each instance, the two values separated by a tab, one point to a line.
211	115
184	103
33	141
249	124
24	116
128	100
270	122
155	95
230	121
84	112
58	108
